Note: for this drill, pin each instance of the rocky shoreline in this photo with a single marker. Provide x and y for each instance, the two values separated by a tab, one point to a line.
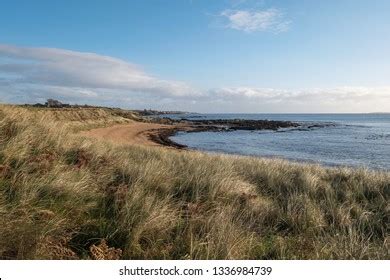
162	136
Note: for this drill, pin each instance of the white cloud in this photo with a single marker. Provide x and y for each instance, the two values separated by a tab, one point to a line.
29	75
342	95
337	99
271	20
70	69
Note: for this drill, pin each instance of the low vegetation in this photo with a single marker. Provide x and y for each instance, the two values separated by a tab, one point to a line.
63	196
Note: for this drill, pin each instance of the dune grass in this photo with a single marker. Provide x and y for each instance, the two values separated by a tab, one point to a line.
63	196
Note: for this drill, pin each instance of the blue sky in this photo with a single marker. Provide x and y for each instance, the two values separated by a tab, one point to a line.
199	55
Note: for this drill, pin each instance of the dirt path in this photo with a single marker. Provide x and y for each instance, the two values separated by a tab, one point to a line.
137	133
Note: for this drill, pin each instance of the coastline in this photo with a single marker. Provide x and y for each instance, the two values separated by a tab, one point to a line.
158	133
104	194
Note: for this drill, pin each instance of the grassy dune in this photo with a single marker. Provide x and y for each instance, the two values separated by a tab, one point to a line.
67	197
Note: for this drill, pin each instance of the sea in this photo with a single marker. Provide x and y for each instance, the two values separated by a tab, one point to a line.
353	140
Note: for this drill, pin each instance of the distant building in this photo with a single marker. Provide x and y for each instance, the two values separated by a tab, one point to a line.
52	103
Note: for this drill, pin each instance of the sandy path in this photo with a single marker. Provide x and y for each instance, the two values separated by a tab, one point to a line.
136	133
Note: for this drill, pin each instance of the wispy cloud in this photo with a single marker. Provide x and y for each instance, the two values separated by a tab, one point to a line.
336	94
70	69
29	75
336	99
271	20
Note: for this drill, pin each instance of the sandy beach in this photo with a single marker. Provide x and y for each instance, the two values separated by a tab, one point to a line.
157	134
136	133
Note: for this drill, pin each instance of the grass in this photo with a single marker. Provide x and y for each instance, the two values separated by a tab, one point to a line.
63	196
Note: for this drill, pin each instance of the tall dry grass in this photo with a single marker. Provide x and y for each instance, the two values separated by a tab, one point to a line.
67	197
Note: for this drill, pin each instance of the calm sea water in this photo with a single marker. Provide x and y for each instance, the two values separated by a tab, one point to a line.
346	139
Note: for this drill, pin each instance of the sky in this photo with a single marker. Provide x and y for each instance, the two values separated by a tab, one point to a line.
221	56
